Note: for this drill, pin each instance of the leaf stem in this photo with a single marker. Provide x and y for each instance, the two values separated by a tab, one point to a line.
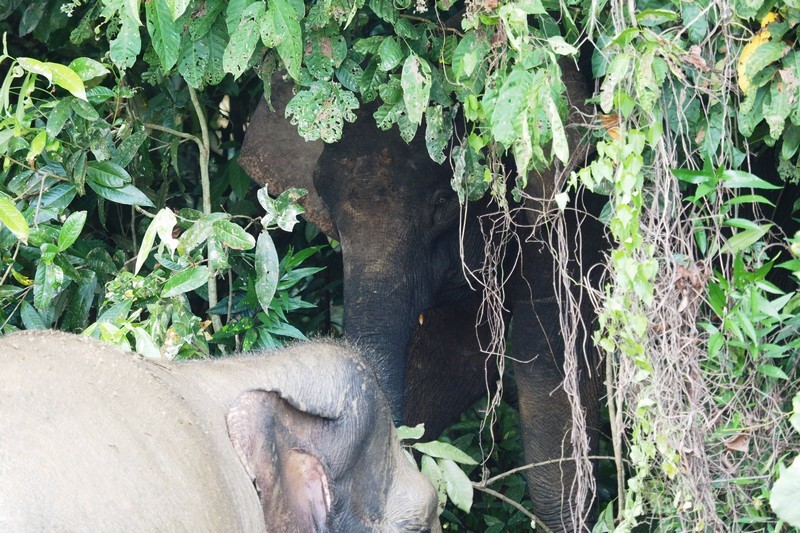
540	526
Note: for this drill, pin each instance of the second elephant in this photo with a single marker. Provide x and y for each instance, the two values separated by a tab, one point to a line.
93	439
405	294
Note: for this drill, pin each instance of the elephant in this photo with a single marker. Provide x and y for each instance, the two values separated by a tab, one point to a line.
92	438
403	236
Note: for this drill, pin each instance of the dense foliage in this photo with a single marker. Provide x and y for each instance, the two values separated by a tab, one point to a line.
123	212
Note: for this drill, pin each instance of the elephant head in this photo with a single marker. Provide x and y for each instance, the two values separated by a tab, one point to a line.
316	438
394	212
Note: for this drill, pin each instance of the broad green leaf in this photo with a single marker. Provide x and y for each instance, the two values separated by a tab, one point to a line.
162	225
433	473
71	230
84	109
438	131
772	371
193	61
132	10
745	239
125	47
48	283
30	317
756	56
87	68
217	254
445	451
198	233
60	75
107	174
416	83
188	280
560	145
510	107
243	41
282	210
739	179
459	488
216	40
145	344
390	53
164	33
285	23
57	117
233	235
127	195
409	433
618	71
266	270
11	218
37	146
201	22
128	148
177	7
785	494
560	46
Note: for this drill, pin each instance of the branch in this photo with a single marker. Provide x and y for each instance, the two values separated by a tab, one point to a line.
535	519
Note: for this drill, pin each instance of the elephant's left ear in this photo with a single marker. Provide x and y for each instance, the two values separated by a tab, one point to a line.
288	479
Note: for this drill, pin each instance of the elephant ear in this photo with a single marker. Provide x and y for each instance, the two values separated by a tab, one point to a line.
292	484
274	154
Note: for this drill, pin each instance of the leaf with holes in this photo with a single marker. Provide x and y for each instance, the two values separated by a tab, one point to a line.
243	41
416	83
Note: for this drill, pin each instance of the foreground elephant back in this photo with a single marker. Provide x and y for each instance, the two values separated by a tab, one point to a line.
71	407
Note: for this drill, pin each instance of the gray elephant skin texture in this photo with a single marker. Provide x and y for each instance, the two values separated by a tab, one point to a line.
406	296
301	439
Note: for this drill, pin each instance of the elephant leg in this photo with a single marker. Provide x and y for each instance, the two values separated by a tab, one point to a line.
447	371
545	410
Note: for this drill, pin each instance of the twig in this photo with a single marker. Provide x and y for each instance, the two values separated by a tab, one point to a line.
535	519
522	468
205	184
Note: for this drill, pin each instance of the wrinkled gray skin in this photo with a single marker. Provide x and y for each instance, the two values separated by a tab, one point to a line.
94	439
406	296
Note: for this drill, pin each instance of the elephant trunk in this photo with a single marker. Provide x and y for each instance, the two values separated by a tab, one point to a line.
381	312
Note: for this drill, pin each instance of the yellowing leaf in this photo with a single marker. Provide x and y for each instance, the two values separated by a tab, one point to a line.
758	40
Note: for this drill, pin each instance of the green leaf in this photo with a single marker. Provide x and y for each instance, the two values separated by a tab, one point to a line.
773	372
510	107
37	146
390	53
188	280
618	70
744	239
438	131
31	319
233	235
560	145
416	83
734	179
266	270
87	68
125	47
107	174
409	433
285	23
48	283
177	7
459	488
785	494
560	46
201	22
433	473
164	33
444	450
199	232
58	117
127	195
11	218
60	75
243	41
128	148
145	344
162	225
71	230
763	56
